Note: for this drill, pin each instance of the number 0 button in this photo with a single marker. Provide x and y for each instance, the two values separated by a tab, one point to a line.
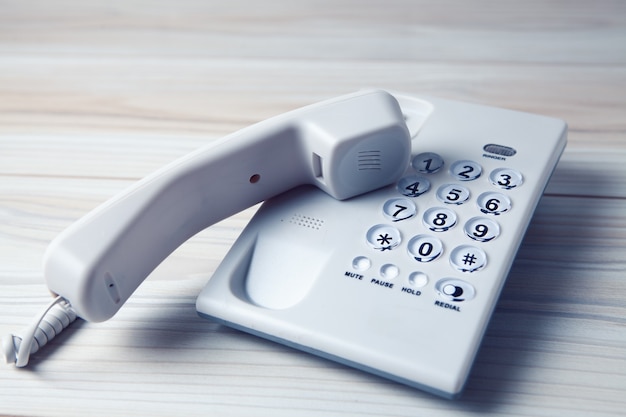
493	203
425	248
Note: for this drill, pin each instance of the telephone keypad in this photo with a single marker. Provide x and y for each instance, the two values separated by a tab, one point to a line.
425	248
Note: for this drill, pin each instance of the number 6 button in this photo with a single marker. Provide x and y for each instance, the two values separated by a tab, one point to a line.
493	203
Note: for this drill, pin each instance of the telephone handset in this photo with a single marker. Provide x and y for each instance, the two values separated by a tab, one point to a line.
346	146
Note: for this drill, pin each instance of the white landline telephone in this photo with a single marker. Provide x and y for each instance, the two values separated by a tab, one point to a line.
390	227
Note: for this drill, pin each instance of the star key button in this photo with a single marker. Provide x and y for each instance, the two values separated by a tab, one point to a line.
382	237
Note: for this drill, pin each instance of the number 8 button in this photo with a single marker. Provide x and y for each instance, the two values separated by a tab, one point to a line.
439	219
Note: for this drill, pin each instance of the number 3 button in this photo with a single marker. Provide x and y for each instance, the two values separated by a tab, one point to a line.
506	178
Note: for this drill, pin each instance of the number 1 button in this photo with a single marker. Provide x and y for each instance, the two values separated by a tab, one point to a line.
427	163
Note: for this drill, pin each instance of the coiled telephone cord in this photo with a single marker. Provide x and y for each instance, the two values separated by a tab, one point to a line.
17	348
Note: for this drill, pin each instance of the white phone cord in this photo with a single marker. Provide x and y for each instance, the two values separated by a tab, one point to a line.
17	348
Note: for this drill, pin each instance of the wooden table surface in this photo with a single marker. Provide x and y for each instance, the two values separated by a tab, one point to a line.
96	94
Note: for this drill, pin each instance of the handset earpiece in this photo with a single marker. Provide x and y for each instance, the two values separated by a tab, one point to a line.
345	146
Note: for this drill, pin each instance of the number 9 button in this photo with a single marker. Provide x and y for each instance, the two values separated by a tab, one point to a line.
482	229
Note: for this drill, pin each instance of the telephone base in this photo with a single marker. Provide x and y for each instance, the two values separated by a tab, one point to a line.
400	282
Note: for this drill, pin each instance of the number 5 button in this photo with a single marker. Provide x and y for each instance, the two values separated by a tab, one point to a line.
453	194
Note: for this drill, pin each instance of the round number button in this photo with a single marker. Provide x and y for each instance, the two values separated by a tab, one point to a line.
506	178
455	290
439	219
398	209
466	170
482	229
382	237
413	185
425	248
467	258
427	162
453	194
493	203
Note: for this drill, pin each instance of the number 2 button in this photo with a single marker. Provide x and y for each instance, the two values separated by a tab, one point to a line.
466	170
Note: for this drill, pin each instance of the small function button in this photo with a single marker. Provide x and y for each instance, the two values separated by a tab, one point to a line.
466	170
427	162
382	237
453	194
413	185
493	203
506	178
482	229
439	219
398	209
455	290
467	258
425	248
361	263
418	279
389	271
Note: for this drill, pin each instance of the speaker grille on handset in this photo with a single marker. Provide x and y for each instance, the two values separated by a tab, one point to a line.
369	160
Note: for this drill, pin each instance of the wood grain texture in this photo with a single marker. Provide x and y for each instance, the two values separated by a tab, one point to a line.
95	95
